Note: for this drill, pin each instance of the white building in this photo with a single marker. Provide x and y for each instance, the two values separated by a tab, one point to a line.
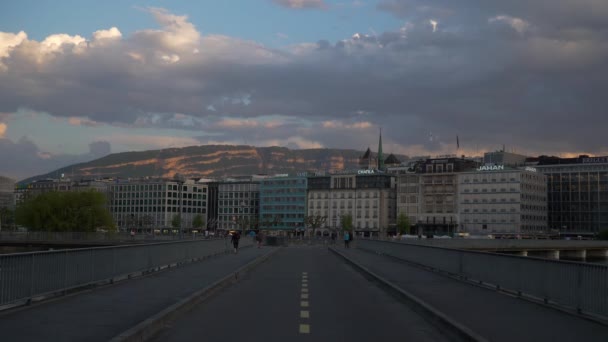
367	196
499	199
147	204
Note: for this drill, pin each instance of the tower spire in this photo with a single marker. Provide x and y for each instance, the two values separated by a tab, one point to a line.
380	154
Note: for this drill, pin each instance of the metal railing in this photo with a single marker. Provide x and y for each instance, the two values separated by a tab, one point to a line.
573	285
25	276
83	237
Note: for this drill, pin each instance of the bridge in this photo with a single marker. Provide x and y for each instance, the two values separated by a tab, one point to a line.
375	290
553	249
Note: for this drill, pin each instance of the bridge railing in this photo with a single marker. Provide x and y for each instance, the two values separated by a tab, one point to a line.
96	237
578	286
27	276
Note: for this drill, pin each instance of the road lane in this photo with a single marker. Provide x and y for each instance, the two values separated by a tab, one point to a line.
301	294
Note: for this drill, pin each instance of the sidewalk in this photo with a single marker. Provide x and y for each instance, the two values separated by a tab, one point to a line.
103	313
493	315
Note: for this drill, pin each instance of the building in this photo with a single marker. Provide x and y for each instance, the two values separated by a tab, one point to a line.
577	193
500	199
7	193
504	158
149	204
283	202
427	193
368	196
239	203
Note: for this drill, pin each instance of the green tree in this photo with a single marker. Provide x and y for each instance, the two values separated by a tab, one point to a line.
83	211
198	221
603	235
347	222
7	218
176	222
314	222
403	224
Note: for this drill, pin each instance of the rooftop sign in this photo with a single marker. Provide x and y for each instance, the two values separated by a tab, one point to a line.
595	160
491	168
366	172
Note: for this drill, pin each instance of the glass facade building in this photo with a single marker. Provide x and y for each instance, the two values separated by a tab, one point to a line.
577	193
283	202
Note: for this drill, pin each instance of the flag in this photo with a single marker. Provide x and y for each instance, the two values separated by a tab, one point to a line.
457	143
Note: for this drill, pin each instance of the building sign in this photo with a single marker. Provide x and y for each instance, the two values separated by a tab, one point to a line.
491	168
531	169
595	160
366	172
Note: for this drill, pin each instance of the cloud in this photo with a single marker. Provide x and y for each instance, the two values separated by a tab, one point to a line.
333	124
301	4
74	121
517	24
508	72
100	148
27	159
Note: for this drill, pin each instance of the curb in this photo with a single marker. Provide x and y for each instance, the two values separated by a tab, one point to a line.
152	325
453	327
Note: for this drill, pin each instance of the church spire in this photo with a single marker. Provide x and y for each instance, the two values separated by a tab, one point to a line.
380	155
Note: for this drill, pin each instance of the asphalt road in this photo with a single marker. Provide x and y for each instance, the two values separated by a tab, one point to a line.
302	294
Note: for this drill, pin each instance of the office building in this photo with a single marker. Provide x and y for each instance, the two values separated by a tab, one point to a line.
239	203
283	203
149	204
577	193
496	199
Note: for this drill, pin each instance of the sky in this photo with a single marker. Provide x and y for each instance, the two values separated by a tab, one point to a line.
80	79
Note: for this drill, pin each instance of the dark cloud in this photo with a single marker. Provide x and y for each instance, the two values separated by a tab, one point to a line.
23	159
521	73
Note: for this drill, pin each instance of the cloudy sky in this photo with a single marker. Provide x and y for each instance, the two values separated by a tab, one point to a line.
81	79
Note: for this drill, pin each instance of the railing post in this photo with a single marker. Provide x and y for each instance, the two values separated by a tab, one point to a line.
65	270
33	265
579	288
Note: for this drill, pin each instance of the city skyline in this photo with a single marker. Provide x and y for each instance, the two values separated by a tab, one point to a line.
81	80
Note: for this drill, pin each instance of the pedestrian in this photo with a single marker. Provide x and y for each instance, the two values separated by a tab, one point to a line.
346	239
333	238
236	236
258	238
132	234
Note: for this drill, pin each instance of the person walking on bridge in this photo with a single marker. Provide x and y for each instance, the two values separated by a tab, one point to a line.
236	236
346	239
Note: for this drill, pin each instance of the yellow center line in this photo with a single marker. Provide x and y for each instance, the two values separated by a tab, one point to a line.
304	290
304	303
304	314
304	329
304	285
305	280
304	296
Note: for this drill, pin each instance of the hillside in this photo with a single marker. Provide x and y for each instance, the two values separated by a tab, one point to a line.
210	161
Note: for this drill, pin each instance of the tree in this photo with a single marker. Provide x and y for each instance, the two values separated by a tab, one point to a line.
347	222
83	211
147	221
315	222
176	222
603	235
198	221
403	224
7	218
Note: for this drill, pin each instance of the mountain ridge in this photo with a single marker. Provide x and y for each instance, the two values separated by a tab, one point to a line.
209	161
